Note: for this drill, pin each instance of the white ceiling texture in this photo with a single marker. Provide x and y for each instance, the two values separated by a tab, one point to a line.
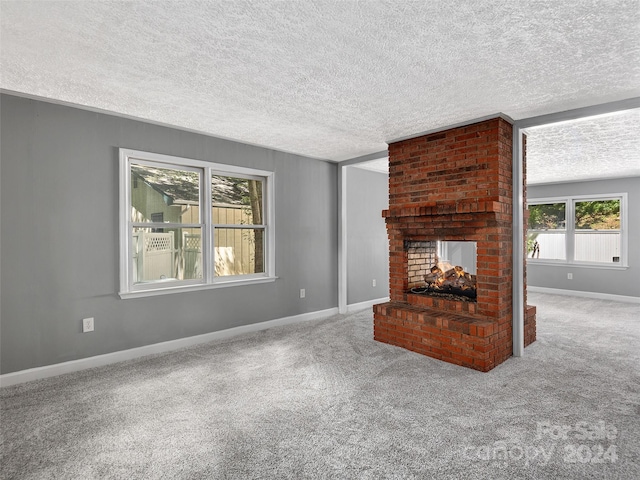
335	79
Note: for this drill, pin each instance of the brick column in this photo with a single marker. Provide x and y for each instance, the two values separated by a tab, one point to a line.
453	186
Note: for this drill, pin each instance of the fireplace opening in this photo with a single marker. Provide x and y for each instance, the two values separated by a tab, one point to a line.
442	269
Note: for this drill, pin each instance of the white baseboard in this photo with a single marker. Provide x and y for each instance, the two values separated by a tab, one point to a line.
578	293
354	307
47	371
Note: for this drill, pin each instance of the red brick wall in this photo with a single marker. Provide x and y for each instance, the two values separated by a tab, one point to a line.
454	185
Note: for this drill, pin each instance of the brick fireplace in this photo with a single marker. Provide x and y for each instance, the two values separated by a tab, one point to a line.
452	186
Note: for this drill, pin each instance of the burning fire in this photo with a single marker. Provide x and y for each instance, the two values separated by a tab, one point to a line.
446	278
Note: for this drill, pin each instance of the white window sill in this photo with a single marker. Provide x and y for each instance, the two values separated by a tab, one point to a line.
601	266
193	288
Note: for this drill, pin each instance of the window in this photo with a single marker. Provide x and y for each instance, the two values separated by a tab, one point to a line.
156	218
547	224
586	230
188	224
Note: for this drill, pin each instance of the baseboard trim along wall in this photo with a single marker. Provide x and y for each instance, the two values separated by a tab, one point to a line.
579	293
47	371
354	307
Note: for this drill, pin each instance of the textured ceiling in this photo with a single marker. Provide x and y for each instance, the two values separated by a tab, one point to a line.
604	146
329	79
594	147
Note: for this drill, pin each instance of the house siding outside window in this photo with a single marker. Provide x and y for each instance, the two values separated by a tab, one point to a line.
189	224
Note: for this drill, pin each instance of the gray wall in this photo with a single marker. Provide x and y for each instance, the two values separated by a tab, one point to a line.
367	242
618	282
59	240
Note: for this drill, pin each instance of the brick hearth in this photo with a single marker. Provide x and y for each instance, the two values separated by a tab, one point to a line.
453	186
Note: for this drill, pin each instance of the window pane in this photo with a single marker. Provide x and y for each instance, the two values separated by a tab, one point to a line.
598	215
236	201
598	247
547	245
165	194
239	251
547	216
173	254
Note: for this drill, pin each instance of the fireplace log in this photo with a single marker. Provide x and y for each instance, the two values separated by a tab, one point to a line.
454	281
436	275
432	278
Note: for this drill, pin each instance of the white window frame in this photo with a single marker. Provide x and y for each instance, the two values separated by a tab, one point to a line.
570	231
130	290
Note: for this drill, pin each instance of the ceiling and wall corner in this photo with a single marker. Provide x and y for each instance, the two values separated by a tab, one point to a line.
588	148
326	79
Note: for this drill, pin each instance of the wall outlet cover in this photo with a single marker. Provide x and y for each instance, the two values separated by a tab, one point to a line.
87	325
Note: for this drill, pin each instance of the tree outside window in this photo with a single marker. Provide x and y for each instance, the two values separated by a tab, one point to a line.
178	236
593	234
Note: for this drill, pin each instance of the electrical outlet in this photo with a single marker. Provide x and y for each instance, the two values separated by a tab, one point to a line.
373	283
87	325
302	293
569	276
